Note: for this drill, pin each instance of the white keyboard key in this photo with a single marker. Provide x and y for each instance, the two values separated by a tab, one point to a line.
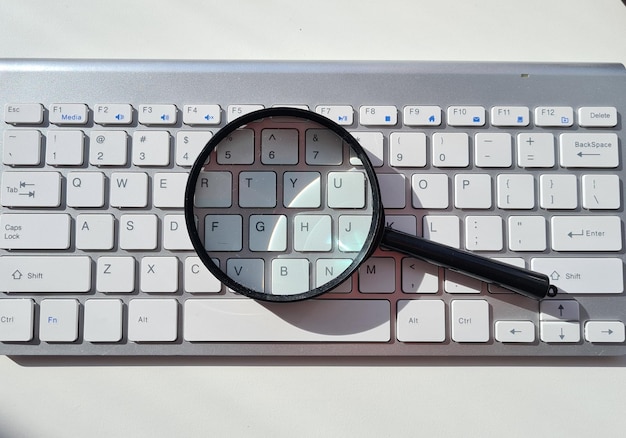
257	189
558	191
168	189
21	148
202	114
160	114
586	233
430	190
323	147
138	232
466	116
312	232
214	189
353	231
223	232
457	283
268	232
237	148
42	274
510	116
516	191
151	148
103	320
515	331
597	116
175	235
472	190
108	148
470	320
198	279
605	331
589	150
85	189
535	149
68	114
248	272
582	275
58	320
560	331
483	233
65	148
290	276
407	149
23	113
373	115
236	111
189	144
16	320
346	190
559	310
515	261
35	231
31	189
421	321
115	274
405	223
601	192
419	277
527	233
377	275
159	274
493	150
450	149
422	115
153	320
113	114
302	189
279	146
372	143
95	231
442	229
558	116
340	114
306	321
329	269
392	189
129	189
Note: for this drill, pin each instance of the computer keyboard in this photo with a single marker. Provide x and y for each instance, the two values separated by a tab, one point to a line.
519	162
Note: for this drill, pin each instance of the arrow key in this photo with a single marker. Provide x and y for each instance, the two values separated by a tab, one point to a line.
515	331
560	331
605	331
559	310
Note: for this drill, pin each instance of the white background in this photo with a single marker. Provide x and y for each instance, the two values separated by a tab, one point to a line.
288	397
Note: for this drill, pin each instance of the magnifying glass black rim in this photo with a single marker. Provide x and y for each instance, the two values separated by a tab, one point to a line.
371	241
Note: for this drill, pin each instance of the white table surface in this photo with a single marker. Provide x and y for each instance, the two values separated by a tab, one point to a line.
288	397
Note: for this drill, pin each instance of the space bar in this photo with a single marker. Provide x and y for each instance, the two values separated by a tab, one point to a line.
244	320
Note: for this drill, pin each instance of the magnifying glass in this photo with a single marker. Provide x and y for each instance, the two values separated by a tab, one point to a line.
283	205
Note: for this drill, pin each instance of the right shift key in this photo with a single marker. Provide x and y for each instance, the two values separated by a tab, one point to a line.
589	150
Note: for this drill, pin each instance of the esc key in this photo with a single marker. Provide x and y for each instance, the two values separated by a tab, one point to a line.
23	113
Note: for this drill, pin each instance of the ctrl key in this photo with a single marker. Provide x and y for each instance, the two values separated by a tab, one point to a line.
16	320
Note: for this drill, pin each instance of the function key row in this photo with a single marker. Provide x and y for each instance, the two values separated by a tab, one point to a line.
369	115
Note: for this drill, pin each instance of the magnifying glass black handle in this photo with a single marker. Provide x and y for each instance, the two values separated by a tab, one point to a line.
528	283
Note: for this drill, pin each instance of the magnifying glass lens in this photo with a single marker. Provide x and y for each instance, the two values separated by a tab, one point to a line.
282	207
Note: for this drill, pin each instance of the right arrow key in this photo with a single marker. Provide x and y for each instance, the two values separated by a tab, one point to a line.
605	331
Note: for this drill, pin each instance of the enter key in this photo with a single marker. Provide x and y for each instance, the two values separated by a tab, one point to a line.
586	233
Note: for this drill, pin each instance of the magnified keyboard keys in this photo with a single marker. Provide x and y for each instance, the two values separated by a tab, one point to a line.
248	272
305	321
323	147
346	190
223	232
257	189
353	231
302	189
290	276
279	146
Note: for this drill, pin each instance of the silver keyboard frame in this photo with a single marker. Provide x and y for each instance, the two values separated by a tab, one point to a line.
312	84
